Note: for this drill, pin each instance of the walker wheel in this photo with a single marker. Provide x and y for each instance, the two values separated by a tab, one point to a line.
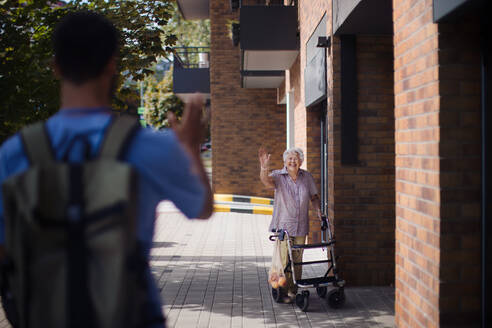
321	291
302	300
336	298
277	295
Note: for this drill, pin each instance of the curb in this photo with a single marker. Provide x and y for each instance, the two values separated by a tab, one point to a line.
243	199
254	210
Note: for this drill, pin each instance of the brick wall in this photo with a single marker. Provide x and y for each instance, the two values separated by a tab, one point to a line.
417	164
419	154
241	119
300	138
361	199
437	81
362	202
308	119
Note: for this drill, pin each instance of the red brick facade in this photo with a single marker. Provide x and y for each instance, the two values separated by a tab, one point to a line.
437	110
361	197
307	120
408	212
241	119
362	206
417	164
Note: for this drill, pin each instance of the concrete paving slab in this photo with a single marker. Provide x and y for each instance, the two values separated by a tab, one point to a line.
233	251
213	273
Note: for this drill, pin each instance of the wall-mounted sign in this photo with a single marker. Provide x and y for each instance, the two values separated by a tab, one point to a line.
315	71
315	78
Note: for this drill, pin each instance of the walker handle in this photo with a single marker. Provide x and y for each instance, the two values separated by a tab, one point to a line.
324	223
280	234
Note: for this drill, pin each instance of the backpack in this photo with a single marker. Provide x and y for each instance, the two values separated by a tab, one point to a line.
73	259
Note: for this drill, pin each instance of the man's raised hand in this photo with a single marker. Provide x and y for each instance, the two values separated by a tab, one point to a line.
191	130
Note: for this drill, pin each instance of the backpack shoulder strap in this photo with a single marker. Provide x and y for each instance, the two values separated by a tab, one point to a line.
37	144
118	136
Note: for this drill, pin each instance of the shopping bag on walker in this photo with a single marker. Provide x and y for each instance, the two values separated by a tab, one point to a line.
276	276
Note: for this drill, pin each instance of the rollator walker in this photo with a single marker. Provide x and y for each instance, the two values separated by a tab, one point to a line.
336	296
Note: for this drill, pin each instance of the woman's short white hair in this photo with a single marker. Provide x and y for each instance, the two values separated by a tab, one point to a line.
295	150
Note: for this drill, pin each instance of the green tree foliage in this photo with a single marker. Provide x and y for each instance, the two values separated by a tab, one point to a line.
28	90
160	99
159	96
189	33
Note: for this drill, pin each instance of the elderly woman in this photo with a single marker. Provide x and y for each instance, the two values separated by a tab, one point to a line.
294	190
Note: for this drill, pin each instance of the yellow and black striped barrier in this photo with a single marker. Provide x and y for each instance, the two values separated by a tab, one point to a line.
253	210
243	204
242	199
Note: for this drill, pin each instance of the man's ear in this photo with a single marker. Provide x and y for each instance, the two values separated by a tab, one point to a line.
112	66
55	68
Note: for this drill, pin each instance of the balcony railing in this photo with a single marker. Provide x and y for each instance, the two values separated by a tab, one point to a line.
192	57
236	4
191	71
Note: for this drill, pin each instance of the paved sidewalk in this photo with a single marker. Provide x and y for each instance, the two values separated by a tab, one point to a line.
214	273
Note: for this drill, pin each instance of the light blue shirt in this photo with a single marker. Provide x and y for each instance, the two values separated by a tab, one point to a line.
163	167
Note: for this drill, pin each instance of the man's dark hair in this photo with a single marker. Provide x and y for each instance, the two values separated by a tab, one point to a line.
84	42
